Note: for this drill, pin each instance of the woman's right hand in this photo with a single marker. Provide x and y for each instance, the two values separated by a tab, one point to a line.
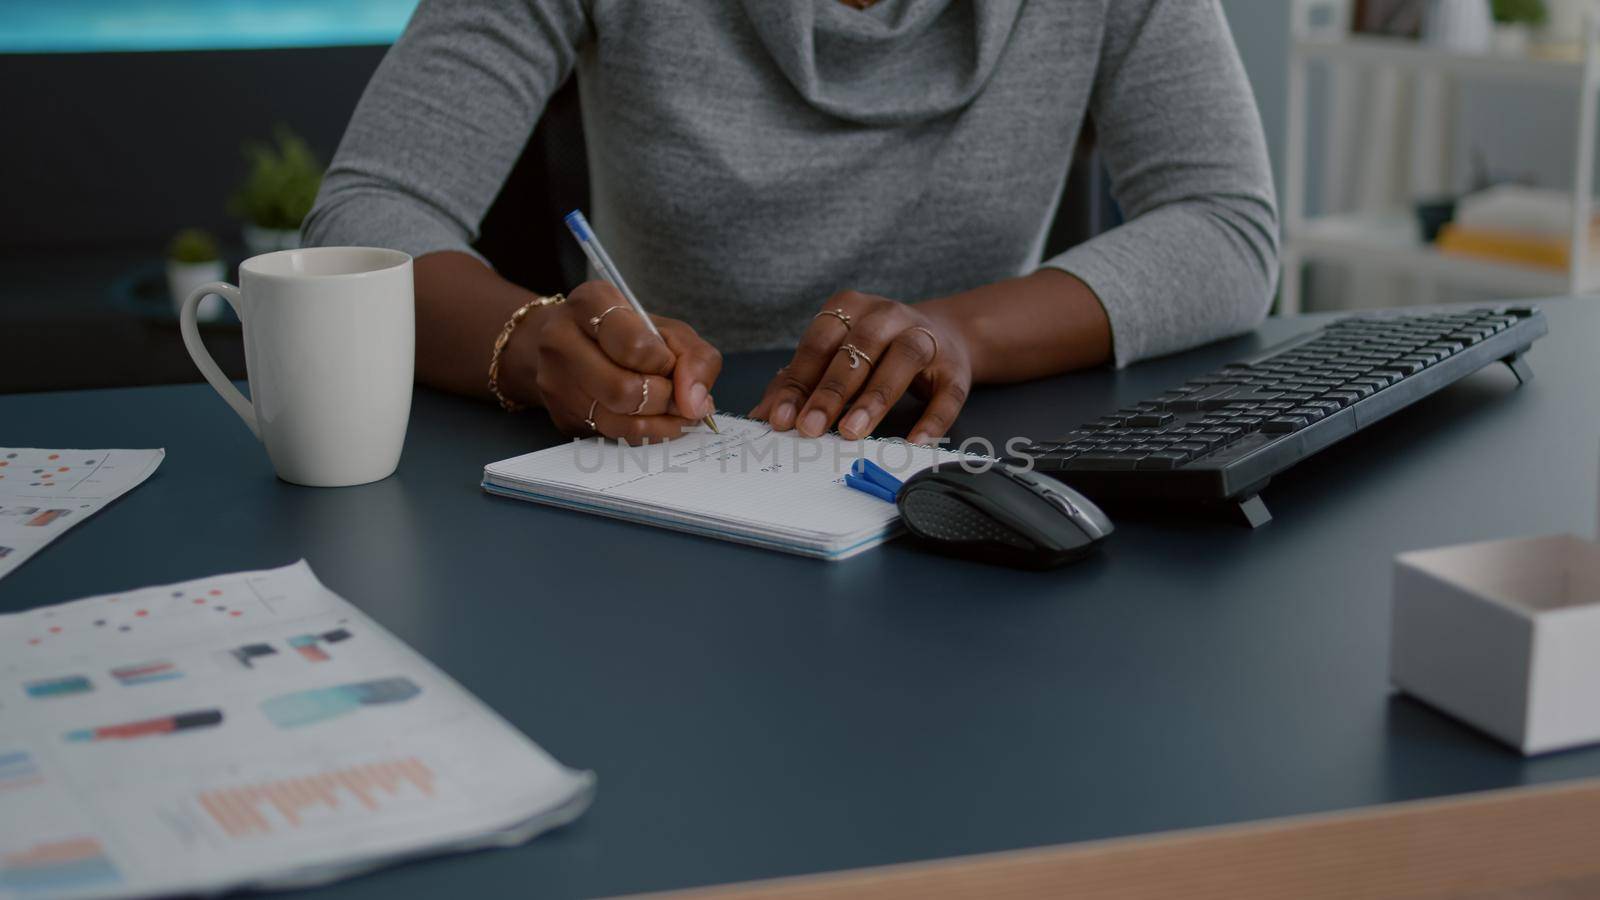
631	384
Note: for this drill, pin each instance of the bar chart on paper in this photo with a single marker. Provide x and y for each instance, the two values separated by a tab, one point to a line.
18	771
49	868
251	729
333	797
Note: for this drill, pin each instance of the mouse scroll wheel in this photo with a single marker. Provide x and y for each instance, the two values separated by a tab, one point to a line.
1063	504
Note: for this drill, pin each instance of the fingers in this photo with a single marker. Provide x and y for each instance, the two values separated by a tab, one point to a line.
794	382
619	331
943	406
847	372
572	364
906	357
601	370
695	371
639	429
572	415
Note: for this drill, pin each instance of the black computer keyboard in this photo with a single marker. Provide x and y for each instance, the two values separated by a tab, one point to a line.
1222	435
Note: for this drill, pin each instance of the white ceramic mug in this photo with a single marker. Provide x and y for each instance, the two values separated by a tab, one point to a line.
329	347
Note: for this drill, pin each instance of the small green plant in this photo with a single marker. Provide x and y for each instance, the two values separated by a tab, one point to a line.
192	245
282	184
1524	12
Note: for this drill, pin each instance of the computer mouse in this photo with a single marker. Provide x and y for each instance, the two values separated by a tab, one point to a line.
1001	513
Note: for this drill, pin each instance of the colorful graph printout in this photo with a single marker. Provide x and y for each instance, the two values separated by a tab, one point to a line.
45	492
179	740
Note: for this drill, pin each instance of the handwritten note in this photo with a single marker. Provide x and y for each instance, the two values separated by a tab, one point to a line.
748	484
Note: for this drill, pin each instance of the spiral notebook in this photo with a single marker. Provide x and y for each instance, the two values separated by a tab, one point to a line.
748	484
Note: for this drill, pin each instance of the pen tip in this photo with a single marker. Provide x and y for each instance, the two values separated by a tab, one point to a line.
712	424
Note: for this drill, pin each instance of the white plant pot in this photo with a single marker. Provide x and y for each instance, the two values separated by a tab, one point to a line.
1511	39
258	240
183	278
1463	26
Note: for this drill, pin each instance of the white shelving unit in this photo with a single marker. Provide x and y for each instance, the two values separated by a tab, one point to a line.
1390	239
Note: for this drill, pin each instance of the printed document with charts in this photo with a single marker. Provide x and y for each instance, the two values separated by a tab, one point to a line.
244	731
43	493
748	484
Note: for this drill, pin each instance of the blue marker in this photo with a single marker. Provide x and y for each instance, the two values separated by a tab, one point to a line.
868	477
605	268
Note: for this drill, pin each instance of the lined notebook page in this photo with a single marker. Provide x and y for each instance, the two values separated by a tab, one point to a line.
748	478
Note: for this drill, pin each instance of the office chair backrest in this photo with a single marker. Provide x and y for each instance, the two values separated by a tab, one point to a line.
522	234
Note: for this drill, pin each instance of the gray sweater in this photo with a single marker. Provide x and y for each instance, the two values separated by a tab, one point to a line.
750	157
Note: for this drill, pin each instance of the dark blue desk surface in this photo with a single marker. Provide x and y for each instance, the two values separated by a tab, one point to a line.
753	715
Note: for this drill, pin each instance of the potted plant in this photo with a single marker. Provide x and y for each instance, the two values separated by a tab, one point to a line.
1514	24
193	260
277	193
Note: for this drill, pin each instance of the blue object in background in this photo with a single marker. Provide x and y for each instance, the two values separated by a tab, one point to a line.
93	26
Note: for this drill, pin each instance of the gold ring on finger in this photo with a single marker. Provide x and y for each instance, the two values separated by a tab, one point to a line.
931	337
856	355
644	384
839	314
596	320
589	420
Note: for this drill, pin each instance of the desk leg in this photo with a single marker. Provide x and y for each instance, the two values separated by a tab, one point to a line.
1518	364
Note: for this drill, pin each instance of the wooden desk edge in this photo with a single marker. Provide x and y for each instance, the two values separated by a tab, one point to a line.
1530	841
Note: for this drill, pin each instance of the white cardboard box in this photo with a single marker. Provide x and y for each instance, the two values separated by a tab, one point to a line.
1504	635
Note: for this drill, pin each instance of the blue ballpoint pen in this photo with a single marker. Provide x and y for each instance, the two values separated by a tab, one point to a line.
579	226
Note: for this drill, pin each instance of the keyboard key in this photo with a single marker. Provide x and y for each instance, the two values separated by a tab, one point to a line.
1100	461
1151	420
1163	459
1284	424
1252	395
1309	413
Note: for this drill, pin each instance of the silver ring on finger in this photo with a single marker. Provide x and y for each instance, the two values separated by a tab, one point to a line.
839	314
589	419
856	355
644	397
596	320
931	338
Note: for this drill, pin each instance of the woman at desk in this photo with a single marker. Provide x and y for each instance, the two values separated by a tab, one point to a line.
868	180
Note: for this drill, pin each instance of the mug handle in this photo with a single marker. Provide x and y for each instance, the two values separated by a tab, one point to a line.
202	359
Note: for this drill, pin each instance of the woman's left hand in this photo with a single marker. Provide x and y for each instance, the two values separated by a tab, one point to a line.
860	354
